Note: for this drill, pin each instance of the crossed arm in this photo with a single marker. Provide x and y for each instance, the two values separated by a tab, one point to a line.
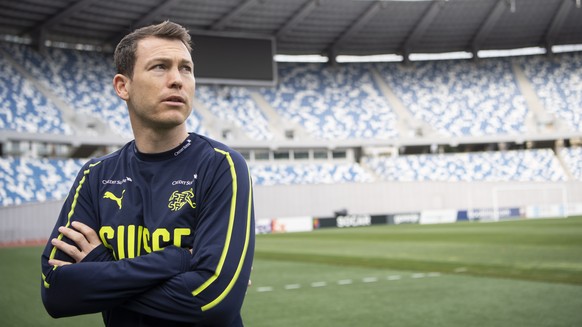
85	238
151	284
93	281
206	283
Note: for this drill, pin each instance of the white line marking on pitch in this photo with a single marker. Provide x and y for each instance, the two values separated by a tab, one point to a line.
292	286
265	289
369	279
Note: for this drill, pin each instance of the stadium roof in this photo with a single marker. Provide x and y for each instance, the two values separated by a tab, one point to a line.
328	27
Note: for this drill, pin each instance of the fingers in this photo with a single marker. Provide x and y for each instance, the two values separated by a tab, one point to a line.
71	250
75	236
60	263
88	232
84	237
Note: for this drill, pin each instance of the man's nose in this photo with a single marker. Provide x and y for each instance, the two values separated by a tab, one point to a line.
175	78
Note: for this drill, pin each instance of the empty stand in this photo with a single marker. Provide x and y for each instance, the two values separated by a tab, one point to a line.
460	98
309	173
23	108
83	80
573	159
235	105
558	83
340	102
25	180
516	165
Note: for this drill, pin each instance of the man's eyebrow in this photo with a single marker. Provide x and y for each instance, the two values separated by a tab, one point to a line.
168	59
187	61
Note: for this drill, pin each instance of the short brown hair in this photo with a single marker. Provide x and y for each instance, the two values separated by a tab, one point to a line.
125	52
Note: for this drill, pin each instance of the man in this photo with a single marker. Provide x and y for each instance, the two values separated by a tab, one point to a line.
160	232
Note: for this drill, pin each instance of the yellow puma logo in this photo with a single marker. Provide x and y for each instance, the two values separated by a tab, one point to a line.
111	196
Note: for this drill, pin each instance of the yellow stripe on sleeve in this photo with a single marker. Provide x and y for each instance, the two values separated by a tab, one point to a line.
225	250
230	226
70	214
242	258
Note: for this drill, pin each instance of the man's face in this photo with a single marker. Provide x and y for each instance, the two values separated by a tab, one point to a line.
162	87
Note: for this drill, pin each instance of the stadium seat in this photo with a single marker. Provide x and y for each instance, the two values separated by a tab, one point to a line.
235	105
557	82
460	98
332	102
343	102
308	173
23	107
516	165
573	159
24	180
83	80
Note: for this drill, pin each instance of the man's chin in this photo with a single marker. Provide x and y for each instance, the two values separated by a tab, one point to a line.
170	125
174	118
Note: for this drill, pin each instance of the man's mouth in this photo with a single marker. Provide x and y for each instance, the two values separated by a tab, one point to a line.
175	99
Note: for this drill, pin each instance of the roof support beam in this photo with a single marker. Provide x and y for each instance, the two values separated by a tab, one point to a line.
556	25
354	28
242	7
421	27
70	11
490	22
156	13
150	18
298	17
38	32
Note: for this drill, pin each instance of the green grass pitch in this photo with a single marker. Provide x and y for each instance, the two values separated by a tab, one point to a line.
513	273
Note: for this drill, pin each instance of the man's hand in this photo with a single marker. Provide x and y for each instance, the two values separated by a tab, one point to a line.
84	237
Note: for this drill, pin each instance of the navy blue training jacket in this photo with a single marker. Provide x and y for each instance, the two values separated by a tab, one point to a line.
149	210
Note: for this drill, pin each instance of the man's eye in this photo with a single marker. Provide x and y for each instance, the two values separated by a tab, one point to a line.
159	67
187	68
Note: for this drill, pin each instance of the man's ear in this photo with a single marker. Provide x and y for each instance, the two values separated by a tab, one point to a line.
121	86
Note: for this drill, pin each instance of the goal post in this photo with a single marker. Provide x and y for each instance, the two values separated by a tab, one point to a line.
538	200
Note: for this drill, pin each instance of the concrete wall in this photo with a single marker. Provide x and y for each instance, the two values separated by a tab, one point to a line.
35	221
30	222
379	198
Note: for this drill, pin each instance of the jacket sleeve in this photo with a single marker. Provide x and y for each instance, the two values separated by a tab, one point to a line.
98	282
212	292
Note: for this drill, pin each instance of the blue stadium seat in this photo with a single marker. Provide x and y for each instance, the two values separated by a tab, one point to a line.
23	107
460	98
24	180
558	84
308	173
235	105
456	98
341	102
573	159
516	165
83	80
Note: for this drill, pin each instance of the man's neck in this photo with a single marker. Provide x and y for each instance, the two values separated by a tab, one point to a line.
159	141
